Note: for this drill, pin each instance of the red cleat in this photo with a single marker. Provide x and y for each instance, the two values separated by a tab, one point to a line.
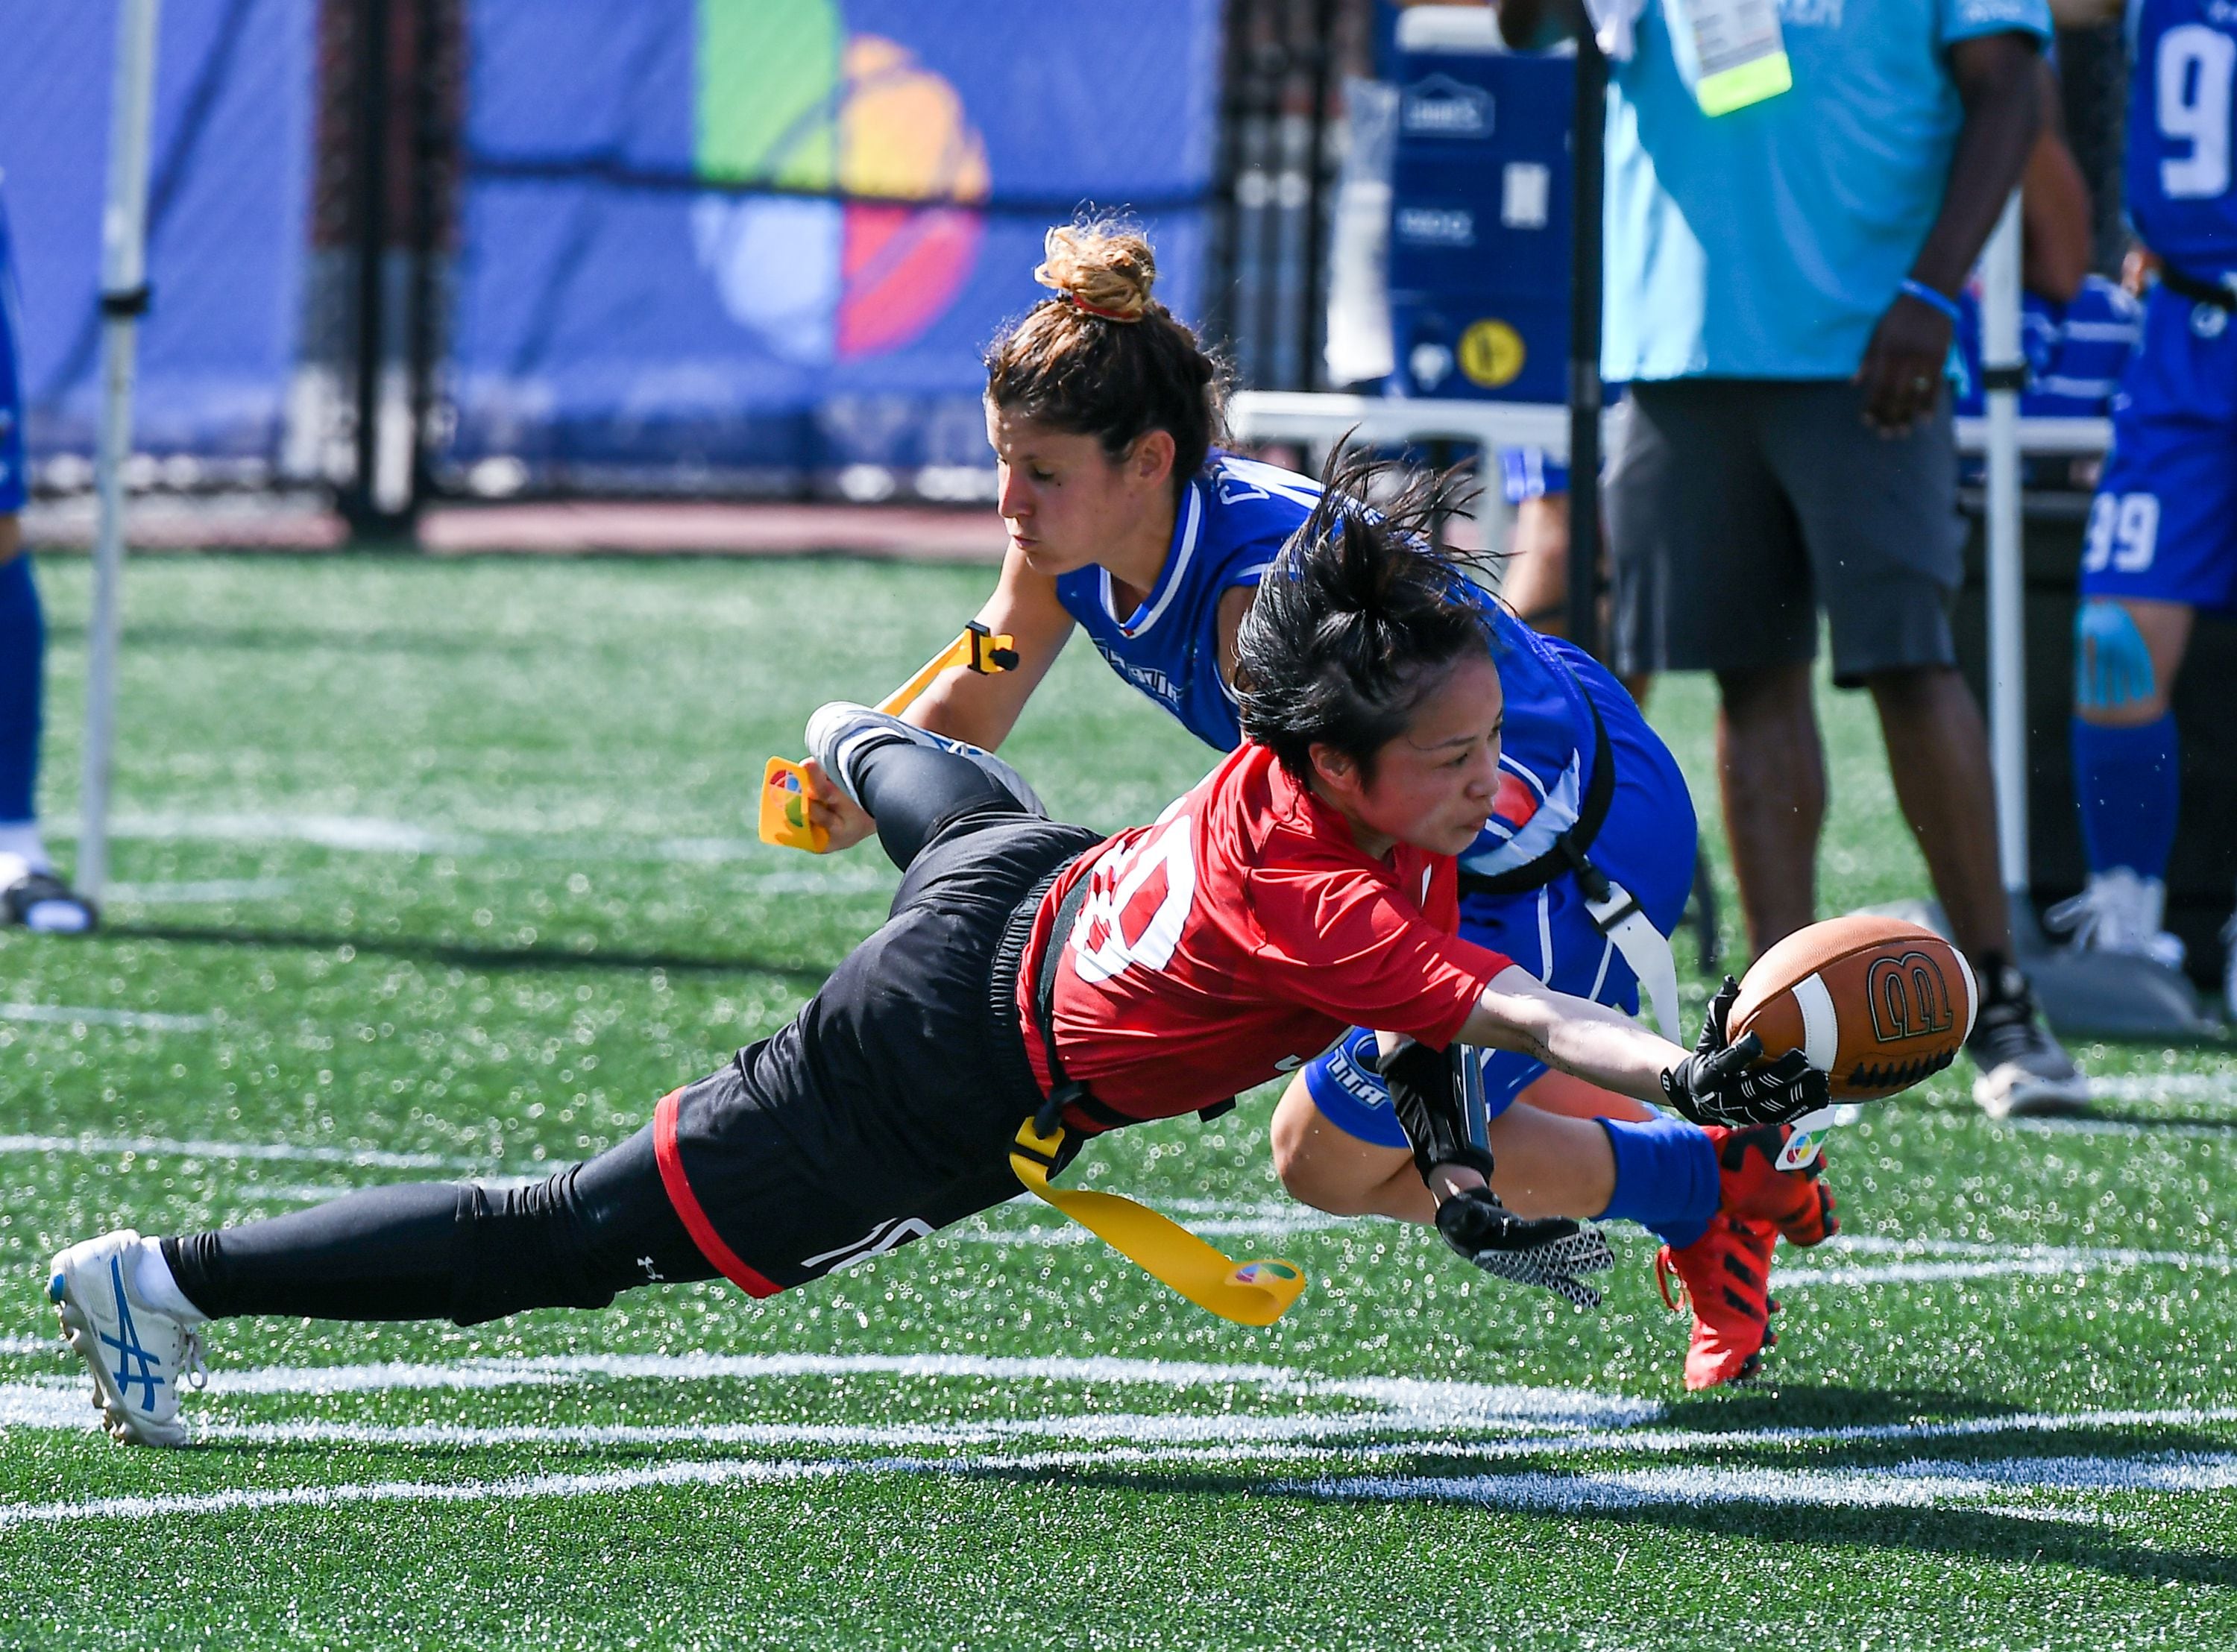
1797	1202
1726	1277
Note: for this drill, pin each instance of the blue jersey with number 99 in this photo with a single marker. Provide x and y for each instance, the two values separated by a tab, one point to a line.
2182	101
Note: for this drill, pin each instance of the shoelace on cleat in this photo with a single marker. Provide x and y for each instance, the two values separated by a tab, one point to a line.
192	1366
1665	1269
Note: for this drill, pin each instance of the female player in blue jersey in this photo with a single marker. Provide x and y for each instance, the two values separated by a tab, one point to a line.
1126	522
2162	542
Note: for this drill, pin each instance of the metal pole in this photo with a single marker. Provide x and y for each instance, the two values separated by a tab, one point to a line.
431	138
361	504
123	301
1586	146
1311	317
2004	372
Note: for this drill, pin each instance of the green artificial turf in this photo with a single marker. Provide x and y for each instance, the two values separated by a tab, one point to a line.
434	868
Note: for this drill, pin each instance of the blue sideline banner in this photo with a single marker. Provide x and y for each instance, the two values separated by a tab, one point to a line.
751	238
228	209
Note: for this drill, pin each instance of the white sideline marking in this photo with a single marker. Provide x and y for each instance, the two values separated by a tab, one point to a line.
148	1020
1918	1485
208	892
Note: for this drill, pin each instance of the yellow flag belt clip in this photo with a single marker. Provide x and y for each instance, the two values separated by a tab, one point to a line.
783	818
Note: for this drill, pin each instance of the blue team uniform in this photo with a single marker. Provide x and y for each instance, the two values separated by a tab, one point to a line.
2164	524
2075	352
13	480
1233	518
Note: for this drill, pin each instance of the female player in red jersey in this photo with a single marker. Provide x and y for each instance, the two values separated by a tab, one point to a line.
1128	523
1029	969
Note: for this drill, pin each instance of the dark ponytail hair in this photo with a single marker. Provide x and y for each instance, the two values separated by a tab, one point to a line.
1103	357
1357	621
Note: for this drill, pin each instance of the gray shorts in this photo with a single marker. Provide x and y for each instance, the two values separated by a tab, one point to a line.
1738	507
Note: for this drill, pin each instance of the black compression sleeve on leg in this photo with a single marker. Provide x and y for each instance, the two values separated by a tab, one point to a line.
450	1250
384	1254
913	791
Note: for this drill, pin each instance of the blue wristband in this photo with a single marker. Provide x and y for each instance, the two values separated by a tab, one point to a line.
1927	295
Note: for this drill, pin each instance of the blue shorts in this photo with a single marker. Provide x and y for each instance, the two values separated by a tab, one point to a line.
1646	844
2163	526
13	477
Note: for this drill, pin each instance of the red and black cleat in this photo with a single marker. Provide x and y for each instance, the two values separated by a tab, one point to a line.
1797	1202
1725	1276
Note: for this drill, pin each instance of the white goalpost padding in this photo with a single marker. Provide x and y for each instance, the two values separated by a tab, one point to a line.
124	299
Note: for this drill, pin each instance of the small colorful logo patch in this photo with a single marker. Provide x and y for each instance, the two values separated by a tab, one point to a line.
1266	1274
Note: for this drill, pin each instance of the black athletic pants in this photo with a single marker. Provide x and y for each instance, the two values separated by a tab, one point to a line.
463	1251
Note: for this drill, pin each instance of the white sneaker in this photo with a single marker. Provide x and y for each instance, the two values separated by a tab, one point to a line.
138	1354
841	732
2118	912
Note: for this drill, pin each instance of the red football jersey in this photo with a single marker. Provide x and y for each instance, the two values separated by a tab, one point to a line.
1237	939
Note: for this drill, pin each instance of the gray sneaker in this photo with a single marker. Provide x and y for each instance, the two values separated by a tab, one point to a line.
2020	1071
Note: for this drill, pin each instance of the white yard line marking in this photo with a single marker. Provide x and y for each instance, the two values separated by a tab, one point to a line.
2126	1128
370	835
1919	1484
328	1497
141	1146
145	1020
2166	1087
208	892
1974	1258
1445	1403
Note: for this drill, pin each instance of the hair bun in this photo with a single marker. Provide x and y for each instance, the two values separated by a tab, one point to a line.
1101	267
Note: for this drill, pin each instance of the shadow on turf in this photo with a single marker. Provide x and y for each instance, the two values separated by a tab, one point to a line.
806	976
1979	1534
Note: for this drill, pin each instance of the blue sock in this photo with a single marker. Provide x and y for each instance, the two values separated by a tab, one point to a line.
2128	785
1665	1178
22	664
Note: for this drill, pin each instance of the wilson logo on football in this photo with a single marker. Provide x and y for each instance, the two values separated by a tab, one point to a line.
1909	998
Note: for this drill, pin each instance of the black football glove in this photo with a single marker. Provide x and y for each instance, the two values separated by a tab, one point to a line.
1547	1252
1719	1083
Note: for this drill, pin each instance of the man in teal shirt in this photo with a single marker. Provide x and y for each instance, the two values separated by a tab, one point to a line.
1780	292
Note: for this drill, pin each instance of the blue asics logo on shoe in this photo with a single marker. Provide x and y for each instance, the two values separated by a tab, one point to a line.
135	1367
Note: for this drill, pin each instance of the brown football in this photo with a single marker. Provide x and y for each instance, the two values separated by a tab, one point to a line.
1877	1004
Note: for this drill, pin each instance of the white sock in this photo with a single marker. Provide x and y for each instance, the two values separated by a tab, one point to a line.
153	1284
22	838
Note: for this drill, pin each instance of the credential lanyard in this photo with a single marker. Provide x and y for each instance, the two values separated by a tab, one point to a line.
1731	53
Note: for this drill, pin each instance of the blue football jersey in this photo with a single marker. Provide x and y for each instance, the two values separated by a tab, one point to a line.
1232	521
2181	110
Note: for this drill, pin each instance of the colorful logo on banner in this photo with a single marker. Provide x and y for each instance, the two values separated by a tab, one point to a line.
789	99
